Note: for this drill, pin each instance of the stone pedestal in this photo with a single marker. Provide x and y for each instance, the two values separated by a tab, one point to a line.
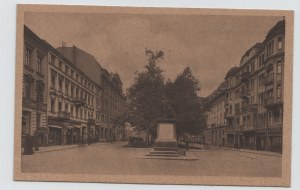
166	143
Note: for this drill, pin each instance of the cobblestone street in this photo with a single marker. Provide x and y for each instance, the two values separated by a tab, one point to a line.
119	159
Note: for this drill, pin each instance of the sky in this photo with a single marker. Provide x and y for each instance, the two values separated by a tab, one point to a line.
210	45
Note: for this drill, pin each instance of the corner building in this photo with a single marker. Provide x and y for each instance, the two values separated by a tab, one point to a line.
34	89
68	97
253	97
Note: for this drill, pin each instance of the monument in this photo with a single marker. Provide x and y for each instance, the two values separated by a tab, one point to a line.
166	142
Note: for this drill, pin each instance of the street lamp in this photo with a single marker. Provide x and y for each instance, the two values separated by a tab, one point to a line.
90	117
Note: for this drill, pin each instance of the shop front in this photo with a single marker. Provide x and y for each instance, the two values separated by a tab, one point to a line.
54	135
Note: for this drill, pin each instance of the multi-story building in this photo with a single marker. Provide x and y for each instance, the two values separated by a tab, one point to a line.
110	102
34	104
67	96
216	123
253	98
72	101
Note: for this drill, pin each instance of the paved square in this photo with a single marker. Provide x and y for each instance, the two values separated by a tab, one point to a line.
117	159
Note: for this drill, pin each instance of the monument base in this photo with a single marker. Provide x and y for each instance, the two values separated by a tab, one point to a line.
166	144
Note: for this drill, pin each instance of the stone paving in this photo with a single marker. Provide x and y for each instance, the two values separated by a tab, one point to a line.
119	159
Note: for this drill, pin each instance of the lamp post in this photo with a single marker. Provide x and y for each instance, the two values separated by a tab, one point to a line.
90	117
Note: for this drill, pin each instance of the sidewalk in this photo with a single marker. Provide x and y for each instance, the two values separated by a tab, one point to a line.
250	151
64	147
54	148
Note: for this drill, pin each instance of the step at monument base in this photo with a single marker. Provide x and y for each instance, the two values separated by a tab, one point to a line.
166	153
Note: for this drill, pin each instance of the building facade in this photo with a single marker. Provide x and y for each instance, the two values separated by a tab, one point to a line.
66	97
253	97
34	101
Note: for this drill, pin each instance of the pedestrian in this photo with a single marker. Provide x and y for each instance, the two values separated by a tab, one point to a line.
187	143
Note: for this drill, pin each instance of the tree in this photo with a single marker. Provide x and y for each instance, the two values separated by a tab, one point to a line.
182	97
144	96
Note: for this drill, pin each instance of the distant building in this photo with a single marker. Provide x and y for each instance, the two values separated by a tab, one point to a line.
253	98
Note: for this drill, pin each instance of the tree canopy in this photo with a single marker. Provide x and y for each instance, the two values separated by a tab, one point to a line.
149	89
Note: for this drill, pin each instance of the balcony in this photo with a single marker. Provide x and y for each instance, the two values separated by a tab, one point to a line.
245	94
272	102
245	76
91	121
269	79
269	68
29	68
228	115
250	108
226	102
63	115
79	101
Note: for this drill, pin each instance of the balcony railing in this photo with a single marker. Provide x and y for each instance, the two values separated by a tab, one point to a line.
272	101
249	108
91	121
245	76
228	115
245	93
63	115
78	101
269	79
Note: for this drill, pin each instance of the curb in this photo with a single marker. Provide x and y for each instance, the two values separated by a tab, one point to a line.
253	152
74	146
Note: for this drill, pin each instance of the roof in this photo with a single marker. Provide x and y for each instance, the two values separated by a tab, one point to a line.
232	72
278	28
213	96
84	61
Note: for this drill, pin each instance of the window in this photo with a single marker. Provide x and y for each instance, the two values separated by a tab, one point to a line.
279	43
261	60
66	107
279	92
27	89
72	73
38	120
52	105
66	88
39	64
279	66
52	59
59	106
27	57
60	65
270	48
53	78
76	112
72	109
77	92
72	90
60	84
252	66
66	69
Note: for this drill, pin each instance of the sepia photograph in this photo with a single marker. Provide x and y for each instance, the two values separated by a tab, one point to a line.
153	95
